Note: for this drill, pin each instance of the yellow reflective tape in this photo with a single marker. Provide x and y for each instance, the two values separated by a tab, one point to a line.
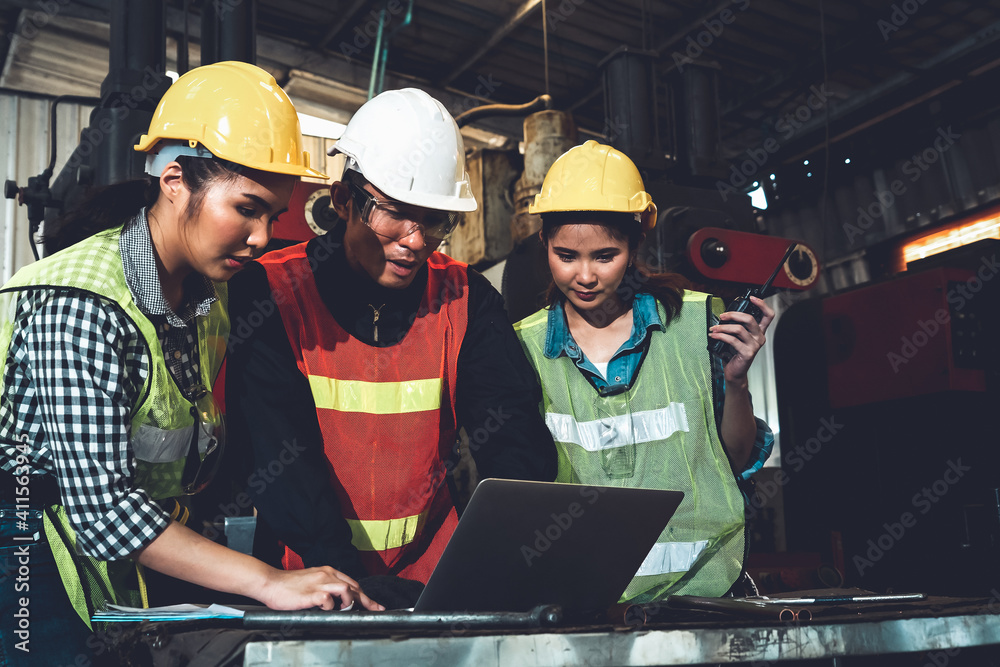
379	398
143	591
389	534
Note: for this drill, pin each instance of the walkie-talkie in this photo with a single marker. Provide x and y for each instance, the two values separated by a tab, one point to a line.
721	348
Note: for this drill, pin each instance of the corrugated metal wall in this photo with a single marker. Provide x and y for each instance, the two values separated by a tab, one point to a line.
24	152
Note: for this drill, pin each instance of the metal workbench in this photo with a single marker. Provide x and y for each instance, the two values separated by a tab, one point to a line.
945	629
941	625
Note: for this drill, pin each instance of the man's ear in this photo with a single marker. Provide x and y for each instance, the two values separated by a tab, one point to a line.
340	200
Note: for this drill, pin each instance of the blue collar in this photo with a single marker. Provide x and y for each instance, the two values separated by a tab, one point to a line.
559	341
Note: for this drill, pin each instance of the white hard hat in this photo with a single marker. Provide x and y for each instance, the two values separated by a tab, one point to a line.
406	144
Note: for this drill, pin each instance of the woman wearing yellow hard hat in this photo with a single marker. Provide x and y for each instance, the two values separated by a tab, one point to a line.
110	350
630	392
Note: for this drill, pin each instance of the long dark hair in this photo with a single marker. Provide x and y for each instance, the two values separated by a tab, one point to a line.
667	288
114	205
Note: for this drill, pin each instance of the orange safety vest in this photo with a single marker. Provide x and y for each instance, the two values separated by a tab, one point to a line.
387	414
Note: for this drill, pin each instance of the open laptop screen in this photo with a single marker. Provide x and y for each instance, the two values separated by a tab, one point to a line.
520	544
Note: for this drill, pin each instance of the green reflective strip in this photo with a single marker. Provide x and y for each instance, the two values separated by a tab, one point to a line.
389	534
377	398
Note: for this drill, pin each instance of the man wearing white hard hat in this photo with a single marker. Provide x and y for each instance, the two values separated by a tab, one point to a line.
372	350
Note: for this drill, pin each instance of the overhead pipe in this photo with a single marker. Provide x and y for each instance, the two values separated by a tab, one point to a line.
983	38
376	82
183	60
407	20
136	80
630	106
666	44
346	17
696	130
229	32
540	103
515	20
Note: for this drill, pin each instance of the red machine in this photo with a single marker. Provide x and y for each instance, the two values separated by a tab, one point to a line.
741	257
907	337
308	215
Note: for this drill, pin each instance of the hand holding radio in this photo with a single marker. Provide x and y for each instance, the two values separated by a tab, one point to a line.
744	304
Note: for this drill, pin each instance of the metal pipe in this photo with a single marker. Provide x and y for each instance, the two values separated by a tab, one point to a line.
346	17
629	111
974	43
136	64
381	60
378	54
10	205
137	42
53	122
183	62
229	31
512	22
541	616
737	606
996	504
539	103
668	43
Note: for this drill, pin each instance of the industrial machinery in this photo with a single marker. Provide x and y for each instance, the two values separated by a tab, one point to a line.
135	83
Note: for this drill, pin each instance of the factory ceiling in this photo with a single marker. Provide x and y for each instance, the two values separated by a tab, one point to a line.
809	71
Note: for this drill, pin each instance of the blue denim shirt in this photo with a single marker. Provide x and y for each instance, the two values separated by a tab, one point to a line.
625	361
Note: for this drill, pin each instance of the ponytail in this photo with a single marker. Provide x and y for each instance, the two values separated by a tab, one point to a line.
667	288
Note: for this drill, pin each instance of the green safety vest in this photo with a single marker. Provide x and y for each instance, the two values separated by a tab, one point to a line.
659	434
161	420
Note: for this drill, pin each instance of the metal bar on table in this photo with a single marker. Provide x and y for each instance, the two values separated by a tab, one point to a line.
541	616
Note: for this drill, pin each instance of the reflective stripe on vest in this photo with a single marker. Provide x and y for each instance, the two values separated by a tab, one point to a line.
386	414
661	433
157	445
605	433
376	535
667	557
377	398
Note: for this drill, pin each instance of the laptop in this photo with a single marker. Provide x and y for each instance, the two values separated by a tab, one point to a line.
521	544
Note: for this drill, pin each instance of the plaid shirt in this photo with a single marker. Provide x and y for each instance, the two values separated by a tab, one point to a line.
76	367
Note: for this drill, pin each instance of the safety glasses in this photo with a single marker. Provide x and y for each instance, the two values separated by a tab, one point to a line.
391	220
208	438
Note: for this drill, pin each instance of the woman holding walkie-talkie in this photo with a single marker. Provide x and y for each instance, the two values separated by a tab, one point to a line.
630	391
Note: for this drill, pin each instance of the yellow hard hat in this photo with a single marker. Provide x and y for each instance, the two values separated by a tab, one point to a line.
595	177
236	112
